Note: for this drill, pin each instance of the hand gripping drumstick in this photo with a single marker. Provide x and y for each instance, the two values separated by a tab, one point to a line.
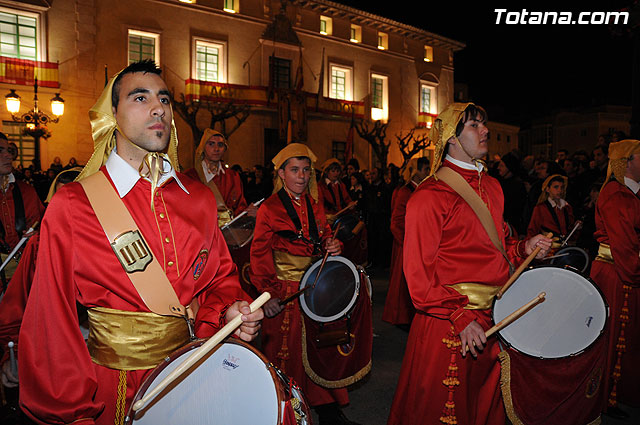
324	260
520	269
201	352
514	316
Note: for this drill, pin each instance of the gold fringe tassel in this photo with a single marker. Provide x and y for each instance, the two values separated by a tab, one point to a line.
451	381
621	347
122	397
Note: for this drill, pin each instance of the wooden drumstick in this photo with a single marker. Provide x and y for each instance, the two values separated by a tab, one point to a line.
520	269
514	316
324	260
201	352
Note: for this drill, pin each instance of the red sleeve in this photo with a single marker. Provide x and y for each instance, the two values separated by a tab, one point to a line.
263	271
537	220
15	298
51	319
618	212
399	207
425	218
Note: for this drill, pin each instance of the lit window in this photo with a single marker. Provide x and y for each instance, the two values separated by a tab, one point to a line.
341	83
427	99
428	53
356	34
232	6
26	145
326	25
18	35
379	98
383	41
144	45
208	64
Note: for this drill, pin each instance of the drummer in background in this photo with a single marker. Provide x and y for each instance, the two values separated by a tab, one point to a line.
279	258
224	182
552	213
616	270
448	257
398	309
334	196
136	150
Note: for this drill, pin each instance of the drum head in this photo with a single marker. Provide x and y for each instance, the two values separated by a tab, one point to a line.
570	319
216	392
572	256
335	292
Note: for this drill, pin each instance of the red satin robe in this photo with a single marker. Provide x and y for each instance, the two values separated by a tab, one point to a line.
618	225
398	308
59	383
33	210
230	186
445	244
542	221
339	191
282	335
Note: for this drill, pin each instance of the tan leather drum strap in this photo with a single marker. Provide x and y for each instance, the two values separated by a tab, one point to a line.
466	192
151	283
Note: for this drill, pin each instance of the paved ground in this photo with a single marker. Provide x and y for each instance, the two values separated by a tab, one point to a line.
371	398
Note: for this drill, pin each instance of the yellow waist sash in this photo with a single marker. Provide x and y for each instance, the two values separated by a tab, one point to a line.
604	253
480	296
131	340
289	266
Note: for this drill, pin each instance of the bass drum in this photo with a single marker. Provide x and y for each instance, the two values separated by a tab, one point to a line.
571	318
572	256
234	384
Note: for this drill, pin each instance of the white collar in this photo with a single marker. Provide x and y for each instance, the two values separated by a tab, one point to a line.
10	179
630	183
477	166
124	176
208	174
560	204
329	182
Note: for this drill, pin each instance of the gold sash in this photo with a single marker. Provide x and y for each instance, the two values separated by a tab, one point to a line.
604	253
290	267
131	340
480	296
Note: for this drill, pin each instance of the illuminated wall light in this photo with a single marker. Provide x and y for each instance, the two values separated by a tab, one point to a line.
381	47
188	1
377	114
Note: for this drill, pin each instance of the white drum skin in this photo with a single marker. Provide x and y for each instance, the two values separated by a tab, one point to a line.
570	319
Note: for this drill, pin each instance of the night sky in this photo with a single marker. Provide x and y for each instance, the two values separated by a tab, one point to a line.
523	71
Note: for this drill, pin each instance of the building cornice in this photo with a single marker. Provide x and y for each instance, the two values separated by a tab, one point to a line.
361	17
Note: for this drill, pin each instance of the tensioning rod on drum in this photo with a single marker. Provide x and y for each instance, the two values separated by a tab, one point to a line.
200	352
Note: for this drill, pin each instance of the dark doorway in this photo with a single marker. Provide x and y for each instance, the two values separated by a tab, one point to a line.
272	145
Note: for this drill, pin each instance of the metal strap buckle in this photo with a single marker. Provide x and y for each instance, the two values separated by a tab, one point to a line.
132	251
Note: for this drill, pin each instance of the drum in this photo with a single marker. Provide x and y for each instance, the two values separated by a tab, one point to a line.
234	384
571	256
336	290
239	232
350	226
571	318
337	330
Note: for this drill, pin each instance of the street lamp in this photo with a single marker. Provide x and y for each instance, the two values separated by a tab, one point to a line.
35	120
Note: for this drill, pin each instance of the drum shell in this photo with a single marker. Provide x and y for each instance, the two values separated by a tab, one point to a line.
576	257
280	382
543	317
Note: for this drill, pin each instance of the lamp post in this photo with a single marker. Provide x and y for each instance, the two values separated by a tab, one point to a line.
35	120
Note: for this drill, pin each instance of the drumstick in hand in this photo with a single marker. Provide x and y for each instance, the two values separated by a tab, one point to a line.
201	352
520	269
324	260
514	316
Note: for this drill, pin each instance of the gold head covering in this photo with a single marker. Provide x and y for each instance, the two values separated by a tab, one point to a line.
293	150
208	134
52	188
619	153
444	128
544	195
328	164
103	128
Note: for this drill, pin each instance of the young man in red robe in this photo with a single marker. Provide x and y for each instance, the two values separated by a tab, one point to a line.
291	232
616	270
211	170
449	259
136	152
398	309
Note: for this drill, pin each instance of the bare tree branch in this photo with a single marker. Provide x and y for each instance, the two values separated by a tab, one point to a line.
376	137
404	143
